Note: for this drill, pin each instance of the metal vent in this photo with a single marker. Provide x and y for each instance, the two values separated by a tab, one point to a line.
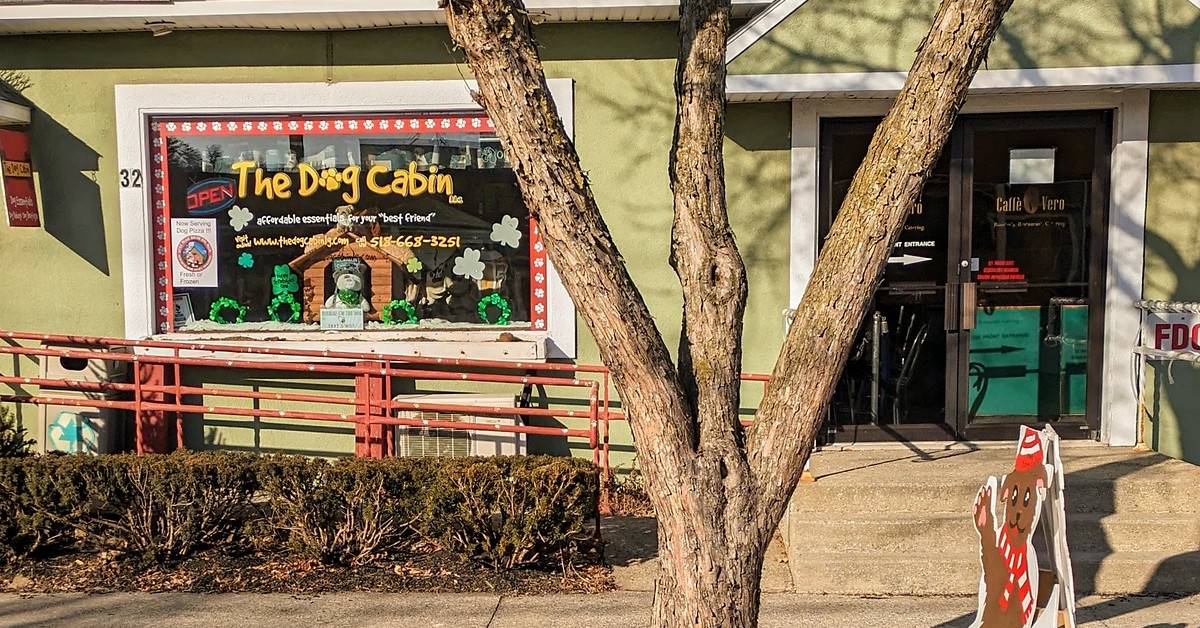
431	442
427	442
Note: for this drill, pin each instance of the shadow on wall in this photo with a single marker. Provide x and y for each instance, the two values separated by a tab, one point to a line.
325	439
868	36
69	191
427	45
66	168
1173	405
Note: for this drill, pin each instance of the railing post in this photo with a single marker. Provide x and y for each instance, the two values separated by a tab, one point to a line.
369	439
152	430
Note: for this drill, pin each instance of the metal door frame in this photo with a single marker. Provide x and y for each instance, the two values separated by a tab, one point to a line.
958	343
958	241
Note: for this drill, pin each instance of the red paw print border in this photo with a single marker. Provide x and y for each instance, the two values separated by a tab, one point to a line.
163	128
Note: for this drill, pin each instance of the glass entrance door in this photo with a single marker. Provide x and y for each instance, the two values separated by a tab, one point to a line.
1029	271
987	314
895	381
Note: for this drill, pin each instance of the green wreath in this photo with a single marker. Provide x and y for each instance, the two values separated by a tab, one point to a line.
388	317
284	299
501	304
226	303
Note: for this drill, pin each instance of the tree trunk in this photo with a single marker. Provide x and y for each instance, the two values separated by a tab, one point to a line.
701	583
886	187
718	492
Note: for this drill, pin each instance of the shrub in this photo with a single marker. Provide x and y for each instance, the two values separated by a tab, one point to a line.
511	512
505	512
349	511
158	507
13	437
31	507
628	496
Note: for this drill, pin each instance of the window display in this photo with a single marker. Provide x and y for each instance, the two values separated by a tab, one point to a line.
282	222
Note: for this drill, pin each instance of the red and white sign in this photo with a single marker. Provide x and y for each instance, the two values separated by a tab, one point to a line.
20	196
194	250
1000	270
419	124
1172	331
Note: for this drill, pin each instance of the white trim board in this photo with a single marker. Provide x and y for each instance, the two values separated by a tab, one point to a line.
1126	221
886	84
759	26
14	113
320	15
135	103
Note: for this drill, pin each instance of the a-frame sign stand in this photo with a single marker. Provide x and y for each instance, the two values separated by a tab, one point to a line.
1013	591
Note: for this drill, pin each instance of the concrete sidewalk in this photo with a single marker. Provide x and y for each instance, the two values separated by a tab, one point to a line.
618	609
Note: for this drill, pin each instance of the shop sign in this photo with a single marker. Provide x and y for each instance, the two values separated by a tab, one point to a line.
20	195
341	319
426	207
379	179
205	198
1172	331
194	247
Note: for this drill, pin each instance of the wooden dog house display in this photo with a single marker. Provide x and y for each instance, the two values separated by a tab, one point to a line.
424	207
383	262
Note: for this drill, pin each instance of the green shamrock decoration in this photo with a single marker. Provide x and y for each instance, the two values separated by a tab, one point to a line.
414	265
284	281
246	260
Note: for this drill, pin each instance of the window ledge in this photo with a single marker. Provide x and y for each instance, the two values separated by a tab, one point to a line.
516	346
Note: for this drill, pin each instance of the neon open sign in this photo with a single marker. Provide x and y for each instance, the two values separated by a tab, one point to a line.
210	196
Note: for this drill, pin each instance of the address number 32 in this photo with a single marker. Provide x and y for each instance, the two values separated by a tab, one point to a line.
131	178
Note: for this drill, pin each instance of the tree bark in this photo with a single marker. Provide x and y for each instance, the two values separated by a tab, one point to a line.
717	491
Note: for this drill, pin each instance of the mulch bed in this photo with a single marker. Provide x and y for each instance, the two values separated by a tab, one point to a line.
217	572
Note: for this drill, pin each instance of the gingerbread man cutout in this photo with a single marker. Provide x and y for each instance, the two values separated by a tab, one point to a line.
1009	586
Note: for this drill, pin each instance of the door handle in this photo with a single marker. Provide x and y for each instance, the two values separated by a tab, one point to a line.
961	302
969	303
952	318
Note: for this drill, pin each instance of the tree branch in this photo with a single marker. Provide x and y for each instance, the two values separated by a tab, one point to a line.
703	251
498	41
884	190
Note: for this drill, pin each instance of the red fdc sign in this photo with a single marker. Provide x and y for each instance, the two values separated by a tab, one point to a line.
1176	336
1001	270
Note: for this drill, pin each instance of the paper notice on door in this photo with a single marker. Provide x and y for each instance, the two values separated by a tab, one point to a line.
194	247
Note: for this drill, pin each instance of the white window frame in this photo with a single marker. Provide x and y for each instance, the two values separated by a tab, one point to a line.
1126	218
135	104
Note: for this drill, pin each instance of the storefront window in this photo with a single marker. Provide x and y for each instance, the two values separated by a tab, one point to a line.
276	222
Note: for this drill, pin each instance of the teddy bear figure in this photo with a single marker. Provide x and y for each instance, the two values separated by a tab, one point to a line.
348	281
1009	585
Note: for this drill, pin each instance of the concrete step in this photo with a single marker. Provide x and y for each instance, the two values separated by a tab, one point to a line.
908	532
1122	573
932	496
1099	480
883	521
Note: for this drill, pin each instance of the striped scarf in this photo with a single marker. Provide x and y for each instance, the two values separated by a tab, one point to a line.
1018	577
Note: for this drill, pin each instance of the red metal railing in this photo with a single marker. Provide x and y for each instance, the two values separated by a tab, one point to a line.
155	394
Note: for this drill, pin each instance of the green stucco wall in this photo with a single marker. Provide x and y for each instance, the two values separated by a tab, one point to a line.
1173	264
873	36
69	273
